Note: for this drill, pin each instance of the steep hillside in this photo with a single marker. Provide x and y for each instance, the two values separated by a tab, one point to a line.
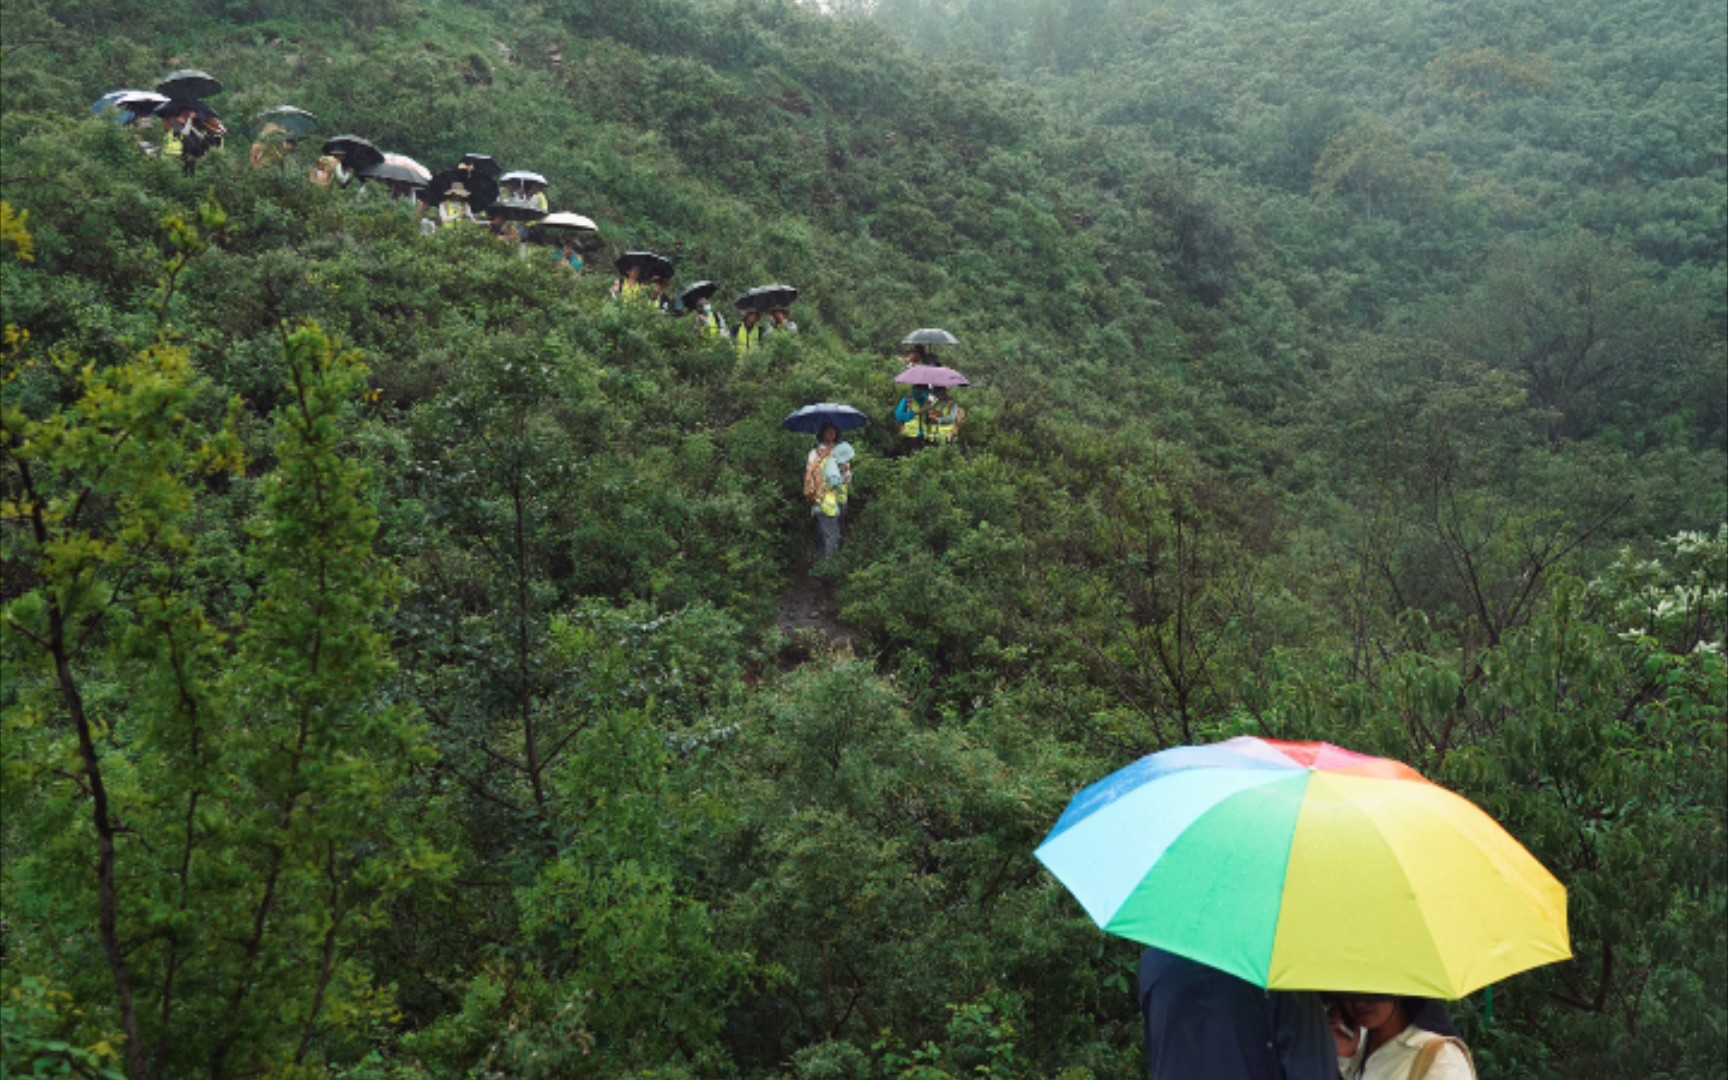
399	675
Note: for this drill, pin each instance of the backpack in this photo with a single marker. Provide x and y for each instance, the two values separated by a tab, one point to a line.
1431	1050
815	487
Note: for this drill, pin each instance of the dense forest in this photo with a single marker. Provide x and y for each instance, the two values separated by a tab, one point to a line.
396	677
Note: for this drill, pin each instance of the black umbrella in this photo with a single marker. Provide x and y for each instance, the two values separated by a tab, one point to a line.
475	189
513	210
285	121
189	83
811	419
652	266
392	173
766	298
356	153
482	165
697	293
929	337
175	106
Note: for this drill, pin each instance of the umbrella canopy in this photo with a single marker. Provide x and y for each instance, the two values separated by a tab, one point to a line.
766	298
474	188
564	227
930	336
514	210
189	83
931	375
482	164
651	265
127	104
176	106
697	293
356	153
811	419
1303	866
288	122
399	168
564	219
522	176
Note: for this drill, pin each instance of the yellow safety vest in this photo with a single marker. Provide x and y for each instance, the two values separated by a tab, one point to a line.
947	426
172	144
747	337
914	428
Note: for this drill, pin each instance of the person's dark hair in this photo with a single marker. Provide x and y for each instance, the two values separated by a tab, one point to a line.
1430	1014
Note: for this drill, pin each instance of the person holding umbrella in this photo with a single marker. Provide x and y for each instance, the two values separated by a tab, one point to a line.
747	335
926	414
828	468
1382	1037
568	257
942	417
642	276
190	130
279	133
526	187
629	285
454	208
709	322
700	299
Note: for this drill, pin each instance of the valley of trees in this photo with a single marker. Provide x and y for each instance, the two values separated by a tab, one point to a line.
392	684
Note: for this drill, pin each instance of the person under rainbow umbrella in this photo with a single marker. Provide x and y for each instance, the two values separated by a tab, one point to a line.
1304	866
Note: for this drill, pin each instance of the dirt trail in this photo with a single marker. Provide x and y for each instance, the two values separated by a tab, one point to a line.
807	609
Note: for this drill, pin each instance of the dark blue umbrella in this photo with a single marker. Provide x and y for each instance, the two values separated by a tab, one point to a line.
811	419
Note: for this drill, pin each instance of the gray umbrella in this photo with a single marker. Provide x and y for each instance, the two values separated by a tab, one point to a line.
928	337
287	121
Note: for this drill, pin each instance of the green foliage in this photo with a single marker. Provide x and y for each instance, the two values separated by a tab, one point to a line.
426	715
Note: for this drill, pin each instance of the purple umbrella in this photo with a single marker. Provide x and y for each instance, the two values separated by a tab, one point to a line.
931	375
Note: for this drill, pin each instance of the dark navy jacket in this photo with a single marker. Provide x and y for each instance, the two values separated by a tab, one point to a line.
1203	1024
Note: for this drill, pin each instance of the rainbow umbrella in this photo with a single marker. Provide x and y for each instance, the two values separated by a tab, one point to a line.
1303	866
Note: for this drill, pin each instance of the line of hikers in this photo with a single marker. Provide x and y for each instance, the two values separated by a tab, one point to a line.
515	206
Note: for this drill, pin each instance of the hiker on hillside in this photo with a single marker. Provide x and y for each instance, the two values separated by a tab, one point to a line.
528	190
780	322
827	478
454	209
748	333
186	138
630	285
942	417
710	324
909	415
567	256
